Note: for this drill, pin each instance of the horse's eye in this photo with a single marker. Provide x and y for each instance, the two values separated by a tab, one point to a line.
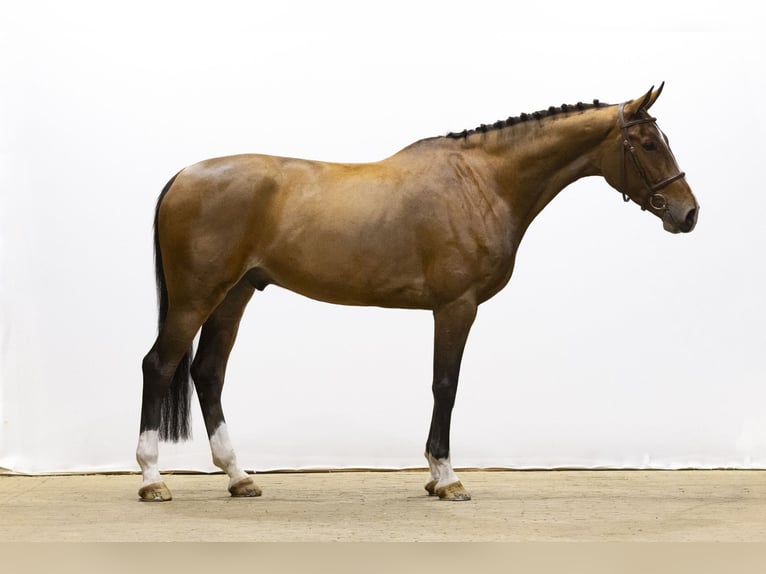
649	146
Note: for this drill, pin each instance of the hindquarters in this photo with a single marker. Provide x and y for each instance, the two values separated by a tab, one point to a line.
211	223
202	241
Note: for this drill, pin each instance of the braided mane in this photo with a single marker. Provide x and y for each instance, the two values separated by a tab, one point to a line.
538	115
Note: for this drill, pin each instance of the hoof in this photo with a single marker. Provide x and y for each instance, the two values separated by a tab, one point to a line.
431	488
155	492
454	491
245	487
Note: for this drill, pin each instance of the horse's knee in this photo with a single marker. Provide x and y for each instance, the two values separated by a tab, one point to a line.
444	390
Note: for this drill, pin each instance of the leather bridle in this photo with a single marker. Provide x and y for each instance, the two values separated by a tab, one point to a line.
653	199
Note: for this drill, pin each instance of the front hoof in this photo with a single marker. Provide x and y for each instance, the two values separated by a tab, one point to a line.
245	487
155	492
431	488
454	491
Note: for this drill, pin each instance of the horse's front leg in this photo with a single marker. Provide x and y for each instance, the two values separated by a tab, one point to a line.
452	323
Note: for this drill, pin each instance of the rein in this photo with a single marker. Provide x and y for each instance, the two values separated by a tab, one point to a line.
653	199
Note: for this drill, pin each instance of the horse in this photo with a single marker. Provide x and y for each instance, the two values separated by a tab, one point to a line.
435	226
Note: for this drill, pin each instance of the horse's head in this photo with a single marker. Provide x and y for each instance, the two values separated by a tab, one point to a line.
641	166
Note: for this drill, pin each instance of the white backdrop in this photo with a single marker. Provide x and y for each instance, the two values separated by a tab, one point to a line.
615	344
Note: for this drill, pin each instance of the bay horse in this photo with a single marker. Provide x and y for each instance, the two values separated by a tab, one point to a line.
436	226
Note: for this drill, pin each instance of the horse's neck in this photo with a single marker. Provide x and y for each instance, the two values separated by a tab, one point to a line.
533	164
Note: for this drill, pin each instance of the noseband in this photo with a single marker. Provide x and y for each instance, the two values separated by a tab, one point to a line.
653	199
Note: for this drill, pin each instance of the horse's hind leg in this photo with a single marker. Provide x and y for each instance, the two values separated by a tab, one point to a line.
164	409
208	371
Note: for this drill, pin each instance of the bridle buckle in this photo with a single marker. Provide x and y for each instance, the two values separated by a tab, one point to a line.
658	202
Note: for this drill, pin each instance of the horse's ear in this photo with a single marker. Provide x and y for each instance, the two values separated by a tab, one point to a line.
643	104
653	95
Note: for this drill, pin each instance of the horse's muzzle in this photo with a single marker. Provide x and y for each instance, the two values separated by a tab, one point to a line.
681	223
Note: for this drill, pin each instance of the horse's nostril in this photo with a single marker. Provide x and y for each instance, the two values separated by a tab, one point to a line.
691	219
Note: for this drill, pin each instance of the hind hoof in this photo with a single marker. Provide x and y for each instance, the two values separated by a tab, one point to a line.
155	492
454	491
245	488
431	488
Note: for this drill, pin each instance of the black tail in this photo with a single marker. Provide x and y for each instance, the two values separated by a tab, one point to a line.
175	419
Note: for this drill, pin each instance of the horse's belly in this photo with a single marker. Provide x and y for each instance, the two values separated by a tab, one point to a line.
350	273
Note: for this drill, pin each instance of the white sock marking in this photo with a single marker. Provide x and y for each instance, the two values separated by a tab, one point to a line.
441	471
223	455
146	455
